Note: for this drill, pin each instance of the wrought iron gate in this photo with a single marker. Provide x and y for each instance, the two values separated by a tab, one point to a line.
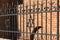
30	20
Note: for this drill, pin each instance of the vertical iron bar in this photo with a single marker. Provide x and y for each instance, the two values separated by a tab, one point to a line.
7	17
46	20
23	20
33	13
50	19
41	18
12	20
58	20
7	8
30	15
11	8
37	17
26	20
20	19
15	23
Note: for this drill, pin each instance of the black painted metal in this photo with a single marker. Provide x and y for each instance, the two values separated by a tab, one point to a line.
10	11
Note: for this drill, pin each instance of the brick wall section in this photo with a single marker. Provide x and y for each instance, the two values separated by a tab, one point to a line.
54	19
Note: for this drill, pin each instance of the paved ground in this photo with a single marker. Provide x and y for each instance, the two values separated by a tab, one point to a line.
4	39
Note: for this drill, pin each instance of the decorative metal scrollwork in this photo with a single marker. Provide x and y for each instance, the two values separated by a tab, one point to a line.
30	22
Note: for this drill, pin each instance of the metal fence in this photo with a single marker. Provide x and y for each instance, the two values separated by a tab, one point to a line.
33	20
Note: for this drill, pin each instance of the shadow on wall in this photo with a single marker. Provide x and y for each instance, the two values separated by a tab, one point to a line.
13	22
